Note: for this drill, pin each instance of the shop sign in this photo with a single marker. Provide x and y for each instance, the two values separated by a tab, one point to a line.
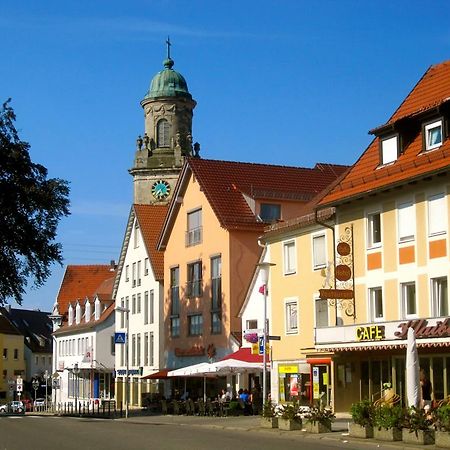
192	351
336	293
422	330
343	272
288	369
316	386
370	333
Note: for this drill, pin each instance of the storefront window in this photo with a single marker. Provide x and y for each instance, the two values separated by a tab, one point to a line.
293	386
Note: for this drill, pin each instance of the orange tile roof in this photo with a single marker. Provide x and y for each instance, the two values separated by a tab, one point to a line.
366	175
225	182
81	281
151	219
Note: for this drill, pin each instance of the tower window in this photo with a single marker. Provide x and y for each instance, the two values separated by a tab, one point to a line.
163	133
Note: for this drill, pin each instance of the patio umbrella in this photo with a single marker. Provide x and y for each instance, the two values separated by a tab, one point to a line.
412	371
232	366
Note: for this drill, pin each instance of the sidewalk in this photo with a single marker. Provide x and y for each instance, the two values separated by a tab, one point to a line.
252	424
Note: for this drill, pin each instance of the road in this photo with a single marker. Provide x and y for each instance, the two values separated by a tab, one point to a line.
62	433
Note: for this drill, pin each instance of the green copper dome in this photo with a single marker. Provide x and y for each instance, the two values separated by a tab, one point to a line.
168	83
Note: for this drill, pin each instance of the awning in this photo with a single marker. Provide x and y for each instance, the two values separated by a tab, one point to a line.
162	374
245	354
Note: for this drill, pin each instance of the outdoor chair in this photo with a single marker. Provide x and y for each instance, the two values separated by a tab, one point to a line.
201	408
176	407
210	408
164	407
190	407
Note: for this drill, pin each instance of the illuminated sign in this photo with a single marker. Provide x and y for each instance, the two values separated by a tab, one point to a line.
370	333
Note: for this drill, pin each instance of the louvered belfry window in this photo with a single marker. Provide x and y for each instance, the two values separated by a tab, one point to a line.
163	133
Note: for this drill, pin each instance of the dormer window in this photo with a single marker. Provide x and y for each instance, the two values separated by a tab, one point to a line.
97	310
270	212
78	313
70	315
389	149
433	135
87	312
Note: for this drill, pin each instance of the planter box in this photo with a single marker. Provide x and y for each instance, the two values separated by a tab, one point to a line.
423	437
391	434
269	422
442	439
289	425
360	431
316	428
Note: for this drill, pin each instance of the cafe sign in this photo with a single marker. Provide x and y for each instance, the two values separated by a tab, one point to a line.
370	333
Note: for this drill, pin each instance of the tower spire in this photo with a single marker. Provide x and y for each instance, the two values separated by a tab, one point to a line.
168	47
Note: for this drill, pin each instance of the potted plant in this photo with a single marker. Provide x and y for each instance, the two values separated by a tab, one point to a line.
387	424
417	427
268	416
362	414
319	420
289	418
442	426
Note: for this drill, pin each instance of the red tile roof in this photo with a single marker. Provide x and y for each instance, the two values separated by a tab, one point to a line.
366	175
81	281
151	219
225	182
244	354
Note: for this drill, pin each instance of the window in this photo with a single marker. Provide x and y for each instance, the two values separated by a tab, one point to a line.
133	275
433	135
439	297
319	251
146	307
136	234
113	346
374	229
16	353
152	349
133	304
5	353
216	295
270	212
389	149
175	301
145	349
127	273
194	228
406	222
291	317
251	324
138	303
36	360
138	350
152	306
133	349
437	213
376	304
5	374
289	257
195	325
163	133
321	312
146	267
194	283
139	273
408	294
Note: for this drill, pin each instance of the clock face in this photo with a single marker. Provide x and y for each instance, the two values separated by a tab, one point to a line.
160	189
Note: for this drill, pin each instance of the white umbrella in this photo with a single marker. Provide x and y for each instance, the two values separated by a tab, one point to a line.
413	390
232	366
189	371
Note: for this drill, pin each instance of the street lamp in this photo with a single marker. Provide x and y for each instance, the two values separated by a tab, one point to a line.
127	381
35	384
76	371
264	269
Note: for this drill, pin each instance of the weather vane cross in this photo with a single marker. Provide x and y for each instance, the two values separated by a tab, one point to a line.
168	47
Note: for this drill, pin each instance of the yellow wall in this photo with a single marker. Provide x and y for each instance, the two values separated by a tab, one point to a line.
13	366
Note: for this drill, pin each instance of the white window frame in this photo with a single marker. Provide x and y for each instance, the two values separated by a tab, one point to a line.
406	221
313	240
436	309
325	301
437	214
136	236
139	279
426	130
290	329
370	230
194	227
146	267
389	146
404	300
289	267
371	306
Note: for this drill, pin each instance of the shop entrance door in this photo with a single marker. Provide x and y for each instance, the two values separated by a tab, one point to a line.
321	385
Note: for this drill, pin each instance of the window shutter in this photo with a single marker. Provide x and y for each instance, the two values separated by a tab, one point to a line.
436	214
406	222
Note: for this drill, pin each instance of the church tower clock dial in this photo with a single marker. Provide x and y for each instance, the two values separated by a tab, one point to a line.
160	189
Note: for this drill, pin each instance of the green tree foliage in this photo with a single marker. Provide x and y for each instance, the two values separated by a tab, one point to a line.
30	208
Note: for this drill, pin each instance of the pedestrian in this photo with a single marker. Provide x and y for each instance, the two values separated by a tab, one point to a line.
427	389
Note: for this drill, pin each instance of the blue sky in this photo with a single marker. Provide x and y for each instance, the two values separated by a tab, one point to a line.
288	82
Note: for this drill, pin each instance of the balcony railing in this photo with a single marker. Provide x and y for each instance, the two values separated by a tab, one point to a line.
194	236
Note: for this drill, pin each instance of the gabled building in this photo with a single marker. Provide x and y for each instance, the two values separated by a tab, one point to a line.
139	288
210	243
392	251
83	322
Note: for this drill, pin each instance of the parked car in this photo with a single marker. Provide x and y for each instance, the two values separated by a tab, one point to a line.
39	402
16	407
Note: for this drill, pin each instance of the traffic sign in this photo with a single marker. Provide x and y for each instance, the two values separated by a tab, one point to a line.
19	381
19	387
120	338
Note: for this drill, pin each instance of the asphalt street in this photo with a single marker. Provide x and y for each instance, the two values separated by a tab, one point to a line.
165	433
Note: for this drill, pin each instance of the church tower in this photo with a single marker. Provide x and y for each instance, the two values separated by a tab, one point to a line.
168	110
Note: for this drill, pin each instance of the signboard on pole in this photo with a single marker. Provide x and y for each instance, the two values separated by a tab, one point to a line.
120	338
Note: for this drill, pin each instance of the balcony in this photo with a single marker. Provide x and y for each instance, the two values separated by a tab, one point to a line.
194	236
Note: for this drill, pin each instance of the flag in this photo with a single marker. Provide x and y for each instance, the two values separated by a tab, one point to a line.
262	288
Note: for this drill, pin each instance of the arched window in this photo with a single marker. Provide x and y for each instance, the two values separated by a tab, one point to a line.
163	133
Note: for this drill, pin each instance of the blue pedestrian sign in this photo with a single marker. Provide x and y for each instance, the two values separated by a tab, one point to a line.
261	345
120	338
